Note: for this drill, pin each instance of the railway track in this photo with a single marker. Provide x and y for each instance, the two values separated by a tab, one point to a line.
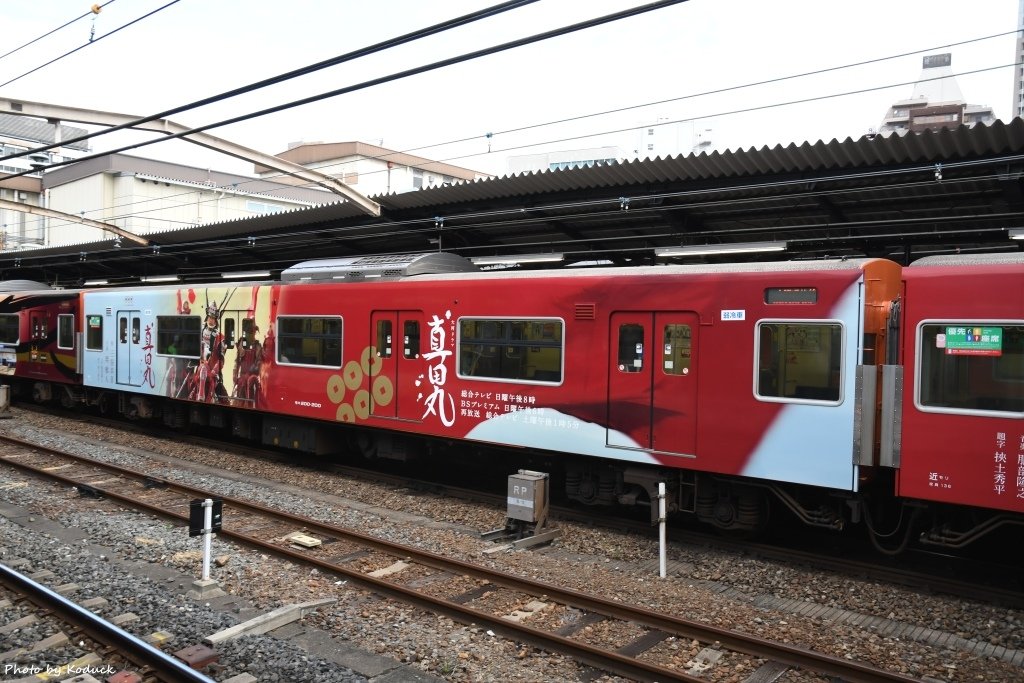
99	646
930	572
581	626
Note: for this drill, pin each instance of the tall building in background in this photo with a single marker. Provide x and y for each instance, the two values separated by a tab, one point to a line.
1018	72
936	102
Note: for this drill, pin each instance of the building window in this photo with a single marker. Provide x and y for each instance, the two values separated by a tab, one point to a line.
937	118
262	207
417	179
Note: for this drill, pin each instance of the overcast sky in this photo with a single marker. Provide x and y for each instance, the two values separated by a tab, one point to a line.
197	48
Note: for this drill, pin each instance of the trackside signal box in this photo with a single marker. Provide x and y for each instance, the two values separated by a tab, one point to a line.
528	496
527	513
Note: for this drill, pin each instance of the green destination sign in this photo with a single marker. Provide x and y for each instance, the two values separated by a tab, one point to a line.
986	341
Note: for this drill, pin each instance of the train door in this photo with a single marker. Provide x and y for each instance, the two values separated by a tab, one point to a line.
652	399
395	364
39	323
130	359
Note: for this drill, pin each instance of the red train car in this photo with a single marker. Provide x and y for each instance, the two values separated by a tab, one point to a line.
38	340
732	383
961	416
843	391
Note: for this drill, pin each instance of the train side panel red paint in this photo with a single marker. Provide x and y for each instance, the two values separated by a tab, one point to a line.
963	405
47	344
707	418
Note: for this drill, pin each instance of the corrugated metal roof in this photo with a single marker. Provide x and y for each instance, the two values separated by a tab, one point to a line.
869	151
33	130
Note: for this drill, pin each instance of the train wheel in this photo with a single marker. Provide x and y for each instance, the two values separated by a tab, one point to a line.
732	508
41	392
104	404
364	445
67	401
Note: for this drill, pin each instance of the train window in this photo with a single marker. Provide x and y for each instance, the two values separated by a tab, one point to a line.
411	339
305	340
249	331
631	347
136	330
9	328
179	335
518	350
799	361
383	339
229	332
122	330
676	350
94	333
971	366
66	331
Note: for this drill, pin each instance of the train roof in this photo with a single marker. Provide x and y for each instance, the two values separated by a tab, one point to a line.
1014	257
22	286
686	269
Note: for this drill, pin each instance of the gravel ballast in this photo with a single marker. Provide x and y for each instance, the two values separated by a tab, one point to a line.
924	636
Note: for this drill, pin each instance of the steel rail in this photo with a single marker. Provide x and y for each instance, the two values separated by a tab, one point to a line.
163	666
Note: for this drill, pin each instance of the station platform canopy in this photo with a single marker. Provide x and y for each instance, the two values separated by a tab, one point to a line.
903	197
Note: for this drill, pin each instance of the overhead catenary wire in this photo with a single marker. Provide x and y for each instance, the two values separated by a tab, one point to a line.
296	73
435	29
92	12
689	96
717	114
465	57
91	42
490	11
717	91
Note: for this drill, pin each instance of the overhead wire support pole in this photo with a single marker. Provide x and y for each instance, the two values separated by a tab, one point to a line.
50	213
175	130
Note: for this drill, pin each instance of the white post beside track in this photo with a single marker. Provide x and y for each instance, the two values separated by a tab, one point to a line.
661	529
207	534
